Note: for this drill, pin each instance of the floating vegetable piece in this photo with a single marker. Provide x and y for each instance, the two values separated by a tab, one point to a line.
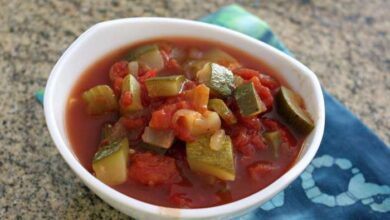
164	85
274	139
218	78
149	55
100	99
289	107
110	162
133	68
158	137
219	106
203	159
248	100
131	86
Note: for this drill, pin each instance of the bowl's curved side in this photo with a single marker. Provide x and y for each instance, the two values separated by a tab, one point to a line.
111	35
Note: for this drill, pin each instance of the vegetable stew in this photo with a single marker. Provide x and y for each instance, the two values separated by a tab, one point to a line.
182	122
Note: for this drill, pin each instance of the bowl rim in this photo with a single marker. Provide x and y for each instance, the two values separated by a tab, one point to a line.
103	190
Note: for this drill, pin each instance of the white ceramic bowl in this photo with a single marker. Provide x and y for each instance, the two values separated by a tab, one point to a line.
105	37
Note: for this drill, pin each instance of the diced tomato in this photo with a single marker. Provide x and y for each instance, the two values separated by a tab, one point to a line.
269	124
160	119
149	74
269	81
240	140
188	85
250	122
152	169
131	123
263	92
126	99
117	86
246	73
119	69
266	80
260	169
258	142
246	136
173	67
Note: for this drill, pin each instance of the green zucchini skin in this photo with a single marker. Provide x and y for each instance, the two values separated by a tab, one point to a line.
287	105
248	100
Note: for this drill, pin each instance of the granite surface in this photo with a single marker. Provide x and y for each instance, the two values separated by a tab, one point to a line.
346	43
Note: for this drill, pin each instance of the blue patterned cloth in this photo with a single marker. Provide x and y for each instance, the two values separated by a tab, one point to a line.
350	176
348	179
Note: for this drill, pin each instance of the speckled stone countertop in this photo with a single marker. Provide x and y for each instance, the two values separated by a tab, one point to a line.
346	43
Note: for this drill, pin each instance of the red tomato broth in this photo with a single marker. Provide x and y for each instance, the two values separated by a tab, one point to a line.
193	190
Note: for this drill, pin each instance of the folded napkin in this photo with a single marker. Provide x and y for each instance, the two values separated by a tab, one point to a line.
348	179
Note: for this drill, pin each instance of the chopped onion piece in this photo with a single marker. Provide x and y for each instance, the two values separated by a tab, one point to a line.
133	68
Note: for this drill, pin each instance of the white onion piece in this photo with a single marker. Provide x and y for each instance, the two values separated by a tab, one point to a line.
133	68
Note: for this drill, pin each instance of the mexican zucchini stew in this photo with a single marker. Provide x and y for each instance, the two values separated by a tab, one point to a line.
185	123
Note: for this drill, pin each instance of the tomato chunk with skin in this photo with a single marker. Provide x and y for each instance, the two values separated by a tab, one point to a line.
264	93
151	169
119	69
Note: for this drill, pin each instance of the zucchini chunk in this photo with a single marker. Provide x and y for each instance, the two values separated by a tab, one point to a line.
149	55
100	99
110	162
158	137
203	159
288	106
219	106
164	85
274	139
218	78
248	100
130	84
